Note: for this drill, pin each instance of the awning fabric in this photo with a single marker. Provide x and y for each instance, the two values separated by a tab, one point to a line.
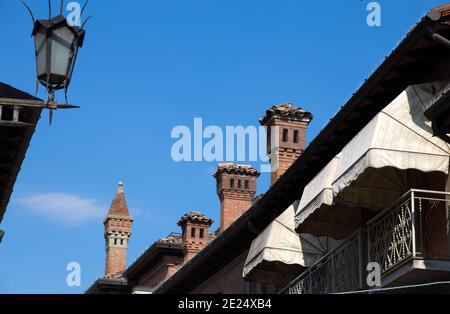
379	164
319	192
398	138
280	244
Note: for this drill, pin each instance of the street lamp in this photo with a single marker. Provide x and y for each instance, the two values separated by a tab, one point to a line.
56	44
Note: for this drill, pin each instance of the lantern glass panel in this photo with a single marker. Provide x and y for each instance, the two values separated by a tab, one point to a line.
40	40
61	48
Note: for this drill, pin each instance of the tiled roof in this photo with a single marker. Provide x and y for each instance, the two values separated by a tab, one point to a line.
171	239
212	236
286	111
257	198
236	169
195	217
175	238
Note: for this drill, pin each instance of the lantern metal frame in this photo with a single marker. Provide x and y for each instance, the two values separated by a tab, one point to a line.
53	81
48	27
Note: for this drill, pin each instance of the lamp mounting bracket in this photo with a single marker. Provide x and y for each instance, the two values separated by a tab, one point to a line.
18	104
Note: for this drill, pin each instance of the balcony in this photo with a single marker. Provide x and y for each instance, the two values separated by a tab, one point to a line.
408	240
338	271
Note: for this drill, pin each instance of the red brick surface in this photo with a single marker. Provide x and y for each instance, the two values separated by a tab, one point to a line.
236	188
287	153
116	260
194	244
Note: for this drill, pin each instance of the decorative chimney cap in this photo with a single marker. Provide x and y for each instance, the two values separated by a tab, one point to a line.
286	111
195	217
231	168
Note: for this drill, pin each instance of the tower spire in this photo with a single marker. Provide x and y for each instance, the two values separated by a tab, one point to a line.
119	205
117	233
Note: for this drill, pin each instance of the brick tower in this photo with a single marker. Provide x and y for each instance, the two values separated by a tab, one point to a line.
195	233
236	187
288	143
117	232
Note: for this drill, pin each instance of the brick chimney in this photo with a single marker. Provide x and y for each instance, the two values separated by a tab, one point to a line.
195	233
117	232
288	143
236	187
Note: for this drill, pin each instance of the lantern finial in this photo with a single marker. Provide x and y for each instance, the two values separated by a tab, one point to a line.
49	9
29	11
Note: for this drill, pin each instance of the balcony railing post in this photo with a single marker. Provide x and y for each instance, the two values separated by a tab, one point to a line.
333	275
363	255
413	223
447	205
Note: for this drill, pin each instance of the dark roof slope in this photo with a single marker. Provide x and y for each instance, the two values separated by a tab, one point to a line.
417	59
7	91
14	143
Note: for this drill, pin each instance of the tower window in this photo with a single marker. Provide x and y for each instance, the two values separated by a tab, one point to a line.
231	183
115	241
285	135
193	232
295	136
247	184
239	184
202	233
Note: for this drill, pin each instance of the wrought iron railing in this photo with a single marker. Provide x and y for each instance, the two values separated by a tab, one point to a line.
398	234
337	271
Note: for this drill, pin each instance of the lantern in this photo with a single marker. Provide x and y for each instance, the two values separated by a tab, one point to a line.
57	45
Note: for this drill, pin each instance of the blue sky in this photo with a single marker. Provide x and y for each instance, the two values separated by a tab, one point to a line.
147	67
